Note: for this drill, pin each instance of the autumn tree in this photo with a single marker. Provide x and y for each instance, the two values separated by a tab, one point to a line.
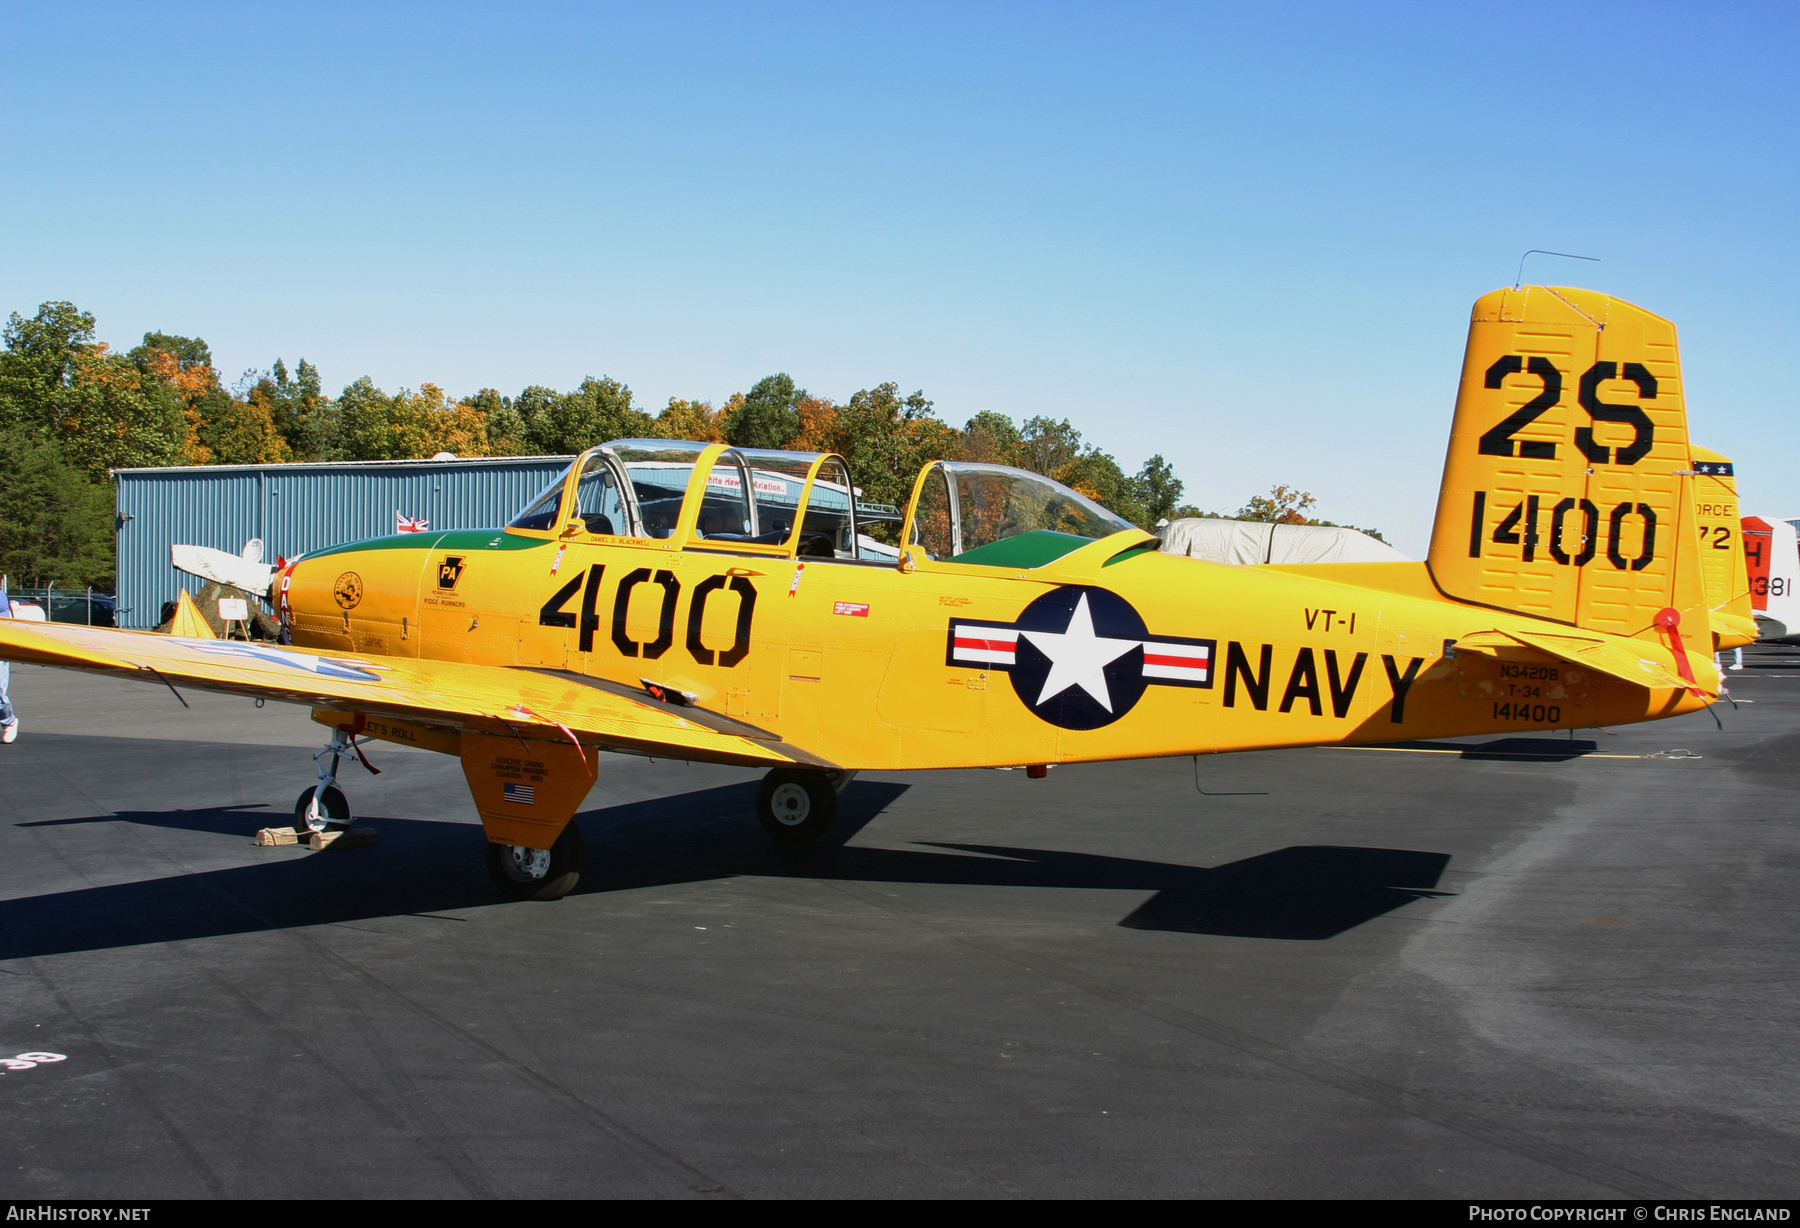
887	438
218	427
182	367
1158	490
767	416
408	425
566	422
505	426
302	414
1055	449
992	438
242	430
1282	505
695	420
35	367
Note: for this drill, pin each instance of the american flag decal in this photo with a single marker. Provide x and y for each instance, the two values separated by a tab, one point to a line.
524	795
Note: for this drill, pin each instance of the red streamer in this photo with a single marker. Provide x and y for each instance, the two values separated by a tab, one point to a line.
1669	619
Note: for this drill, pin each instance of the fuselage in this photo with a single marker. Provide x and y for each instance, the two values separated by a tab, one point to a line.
1112	651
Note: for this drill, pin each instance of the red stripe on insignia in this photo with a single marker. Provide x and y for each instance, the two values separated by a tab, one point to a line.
987	645
1198	662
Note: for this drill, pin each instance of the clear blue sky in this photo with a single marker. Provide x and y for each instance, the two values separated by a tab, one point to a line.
1244	236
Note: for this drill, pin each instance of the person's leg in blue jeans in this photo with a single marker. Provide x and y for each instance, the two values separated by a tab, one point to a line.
9	721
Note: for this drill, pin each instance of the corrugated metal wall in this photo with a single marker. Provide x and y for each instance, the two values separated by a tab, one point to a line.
299	508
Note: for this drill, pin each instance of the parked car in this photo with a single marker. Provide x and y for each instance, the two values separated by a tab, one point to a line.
72	605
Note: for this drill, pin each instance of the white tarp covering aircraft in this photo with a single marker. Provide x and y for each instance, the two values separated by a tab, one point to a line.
1249	541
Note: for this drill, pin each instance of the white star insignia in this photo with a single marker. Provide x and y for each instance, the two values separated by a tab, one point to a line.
1078	657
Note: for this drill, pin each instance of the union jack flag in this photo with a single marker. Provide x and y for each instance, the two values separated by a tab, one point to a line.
410	524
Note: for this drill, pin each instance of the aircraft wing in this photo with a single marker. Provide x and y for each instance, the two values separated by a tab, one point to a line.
1634	661
479	698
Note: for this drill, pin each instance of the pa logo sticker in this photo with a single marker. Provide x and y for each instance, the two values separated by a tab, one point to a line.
1080	657
450	571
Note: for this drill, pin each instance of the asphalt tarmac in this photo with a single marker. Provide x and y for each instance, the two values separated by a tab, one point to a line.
1534	967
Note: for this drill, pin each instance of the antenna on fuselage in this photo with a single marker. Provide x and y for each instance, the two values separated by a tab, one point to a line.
1519	277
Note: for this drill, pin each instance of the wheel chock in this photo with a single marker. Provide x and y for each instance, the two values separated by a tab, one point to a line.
354	837
268	837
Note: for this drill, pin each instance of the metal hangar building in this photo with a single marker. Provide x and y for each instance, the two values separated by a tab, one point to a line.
297	508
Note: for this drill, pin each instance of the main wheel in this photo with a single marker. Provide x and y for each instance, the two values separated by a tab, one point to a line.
333	810
538	874
796	805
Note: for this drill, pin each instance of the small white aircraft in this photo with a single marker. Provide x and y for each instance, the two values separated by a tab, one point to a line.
1772	557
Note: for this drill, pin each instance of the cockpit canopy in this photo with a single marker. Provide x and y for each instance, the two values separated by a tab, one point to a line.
764	501
1003	516
751	496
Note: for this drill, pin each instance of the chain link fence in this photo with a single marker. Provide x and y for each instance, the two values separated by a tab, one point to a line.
71	605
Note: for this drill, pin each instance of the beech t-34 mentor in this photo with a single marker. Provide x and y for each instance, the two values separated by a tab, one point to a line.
696	601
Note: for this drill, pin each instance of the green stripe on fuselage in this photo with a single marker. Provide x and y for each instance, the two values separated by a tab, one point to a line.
1030	549
449	539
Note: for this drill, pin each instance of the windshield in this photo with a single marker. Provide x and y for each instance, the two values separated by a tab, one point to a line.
965	509
540	513
598	501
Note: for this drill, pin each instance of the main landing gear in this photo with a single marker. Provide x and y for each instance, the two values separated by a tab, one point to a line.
538	874
799	805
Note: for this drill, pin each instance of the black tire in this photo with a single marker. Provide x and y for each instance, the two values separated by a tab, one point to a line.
796	805
510	867
334	804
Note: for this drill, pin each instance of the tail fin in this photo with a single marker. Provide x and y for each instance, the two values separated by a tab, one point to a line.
1568	491
1770	552
1722	564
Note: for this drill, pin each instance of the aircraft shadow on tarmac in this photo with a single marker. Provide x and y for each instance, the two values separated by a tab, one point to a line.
1544	750
1303	893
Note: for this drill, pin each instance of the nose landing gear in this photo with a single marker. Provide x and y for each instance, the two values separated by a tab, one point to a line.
316	811
323	807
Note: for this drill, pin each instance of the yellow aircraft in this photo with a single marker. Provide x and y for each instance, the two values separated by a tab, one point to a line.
696	601
1722	564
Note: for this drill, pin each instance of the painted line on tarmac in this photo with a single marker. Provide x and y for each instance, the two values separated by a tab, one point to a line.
1485	754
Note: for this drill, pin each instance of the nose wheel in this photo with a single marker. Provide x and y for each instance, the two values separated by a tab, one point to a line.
320	810
324	806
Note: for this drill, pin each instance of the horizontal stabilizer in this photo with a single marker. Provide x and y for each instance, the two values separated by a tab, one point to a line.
1627	660
217	565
